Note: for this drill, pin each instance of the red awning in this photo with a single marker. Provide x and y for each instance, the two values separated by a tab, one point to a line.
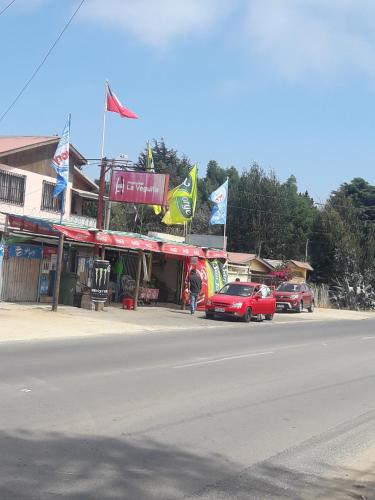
76	234
131	242
182	250
30	225
216	254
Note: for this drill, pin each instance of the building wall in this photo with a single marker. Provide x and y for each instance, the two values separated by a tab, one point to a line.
299	273
37	160
258	267
33	196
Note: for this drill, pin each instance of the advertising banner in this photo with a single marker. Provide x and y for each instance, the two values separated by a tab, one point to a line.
142	188
60	162
99	280
23	251
213	279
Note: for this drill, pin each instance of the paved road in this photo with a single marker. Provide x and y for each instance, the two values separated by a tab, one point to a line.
259	411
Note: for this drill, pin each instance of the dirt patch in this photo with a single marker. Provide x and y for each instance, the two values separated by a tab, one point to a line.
355	480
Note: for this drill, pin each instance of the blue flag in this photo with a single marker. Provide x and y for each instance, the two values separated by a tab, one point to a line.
219	210
60	162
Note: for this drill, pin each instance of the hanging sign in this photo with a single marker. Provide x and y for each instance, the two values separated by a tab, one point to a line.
99	280
142	188
23	251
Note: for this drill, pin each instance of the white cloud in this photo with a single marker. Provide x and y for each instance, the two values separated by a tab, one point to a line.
302	38
157	22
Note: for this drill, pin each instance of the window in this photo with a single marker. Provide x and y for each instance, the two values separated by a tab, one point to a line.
12	188
237	290
289	287
48	201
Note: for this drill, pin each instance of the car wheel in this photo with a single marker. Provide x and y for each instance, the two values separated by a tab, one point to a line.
311	308
269	317
300	307
247	315
209	315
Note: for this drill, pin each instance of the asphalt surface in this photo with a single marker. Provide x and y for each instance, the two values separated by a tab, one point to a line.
258	411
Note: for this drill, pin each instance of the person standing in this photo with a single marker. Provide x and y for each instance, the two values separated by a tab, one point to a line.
195	286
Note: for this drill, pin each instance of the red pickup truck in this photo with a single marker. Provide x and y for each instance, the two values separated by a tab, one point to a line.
243	301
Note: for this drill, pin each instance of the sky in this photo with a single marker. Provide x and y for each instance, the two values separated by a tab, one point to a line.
289	84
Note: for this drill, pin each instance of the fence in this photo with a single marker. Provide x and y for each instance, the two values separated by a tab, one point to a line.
321	295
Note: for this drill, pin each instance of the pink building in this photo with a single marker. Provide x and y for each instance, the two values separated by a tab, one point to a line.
27	181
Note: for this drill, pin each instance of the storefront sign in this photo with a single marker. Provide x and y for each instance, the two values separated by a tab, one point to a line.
99	280
23	251
216	254
48	251
182	250
139	187
30	225
126	242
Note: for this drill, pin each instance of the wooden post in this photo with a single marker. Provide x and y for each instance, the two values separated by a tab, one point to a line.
138	279
99	215
58	273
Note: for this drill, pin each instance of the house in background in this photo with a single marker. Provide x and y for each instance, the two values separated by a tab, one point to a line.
250	267
299	269
27	181
247	267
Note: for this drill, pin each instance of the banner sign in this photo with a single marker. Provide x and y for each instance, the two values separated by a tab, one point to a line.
126	242
100	279
142	188
48	251
60	162
213	279
23	251
220	200
24	224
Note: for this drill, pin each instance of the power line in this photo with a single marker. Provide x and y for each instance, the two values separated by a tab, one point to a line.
36	71
6	7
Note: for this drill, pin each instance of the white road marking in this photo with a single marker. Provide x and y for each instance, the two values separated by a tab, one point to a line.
368	338
25	390
225	358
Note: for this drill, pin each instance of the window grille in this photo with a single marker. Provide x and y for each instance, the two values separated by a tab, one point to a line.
50	203
12	188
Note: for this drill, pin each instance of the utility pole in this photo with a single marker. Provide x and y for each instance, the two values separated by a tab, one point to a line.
108	205
55	300
138	279
99	216
306	249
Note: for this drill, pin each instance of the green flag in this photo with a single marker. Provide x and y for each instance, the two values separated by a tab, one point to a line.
182	200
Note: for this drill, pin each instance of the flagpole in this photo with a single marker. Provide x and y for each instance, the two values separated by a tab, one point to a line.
104	120
107	208
225	223
60	248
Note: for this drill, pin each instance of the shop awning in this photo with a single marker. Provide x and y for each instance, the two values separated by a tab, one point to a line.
76	234
116	239
215	254
122	240
182	250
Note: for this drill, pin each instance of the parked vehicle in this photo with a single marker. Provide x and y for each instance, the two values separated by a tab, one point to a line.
294	297
244	301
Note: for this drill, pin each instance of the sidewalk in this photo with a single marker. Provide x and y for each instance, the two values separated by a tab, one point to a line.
38	322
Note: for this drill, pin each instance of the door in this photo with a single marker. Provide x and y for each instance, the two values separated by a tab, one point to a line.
20	280
306	296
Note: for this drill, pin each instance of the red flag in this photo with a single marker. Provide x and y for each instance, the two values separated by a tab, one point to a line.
114	104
